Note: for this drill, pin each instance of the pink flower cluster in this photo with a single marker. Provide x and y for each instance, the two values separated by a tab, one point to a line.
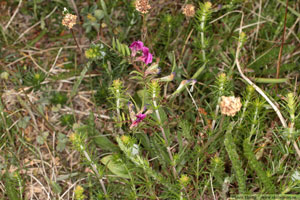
137	118
139	46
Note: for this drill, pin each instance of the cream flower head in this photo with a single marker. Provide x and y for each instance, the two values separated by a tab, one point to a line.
188	10
69	20
142	6
230	105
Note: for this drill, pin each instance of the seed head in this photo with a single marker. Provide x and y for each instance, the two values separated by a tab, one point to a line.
230	105
142	6
69	20
188	10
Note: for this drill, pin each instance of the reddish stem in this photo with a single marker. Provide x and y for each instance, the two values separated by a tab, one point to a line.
282	41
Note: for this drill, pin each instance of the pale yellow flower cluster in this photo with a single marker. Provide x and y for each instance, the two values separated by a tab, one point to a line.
69	20
142	6
230	105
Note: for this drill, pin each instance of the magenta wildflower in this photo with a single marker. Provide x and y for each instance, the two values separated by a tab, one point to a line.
139	46
139	117
135	47
146	57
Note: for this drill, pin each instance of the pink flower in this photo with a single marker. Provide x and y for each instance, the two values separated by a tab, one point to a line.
135	47
139	117
146	57
139	46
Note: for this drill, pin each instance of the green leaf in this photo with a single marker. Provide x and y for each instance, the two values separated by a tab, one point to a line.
56	187
118	46
41	138
61	143
105	144
127	50
24	122
104	7
116	166
99	14
114	43
271	80
10	186
123	49
66	176
78	82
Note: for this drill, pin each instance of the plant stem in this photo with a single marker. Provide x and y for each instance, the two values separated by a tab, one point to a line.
118	105
282	41
164	136
221	91
76	41
202	37
87	156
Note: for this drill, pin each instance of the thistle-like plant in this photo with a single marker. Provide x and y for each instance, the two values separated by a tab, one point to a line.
118	93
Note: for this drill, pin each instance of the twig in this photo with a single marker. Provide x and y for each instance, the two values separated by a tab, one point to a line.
194	102
36	64
15	13
75	8
259	15
282	120
27	30
186	41
282	41
54	63
69	110
93	165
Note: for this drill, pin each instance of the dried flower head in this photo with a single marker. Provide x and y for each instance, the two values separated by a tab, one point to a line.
69	20
188	10
153	69
230	105
142	6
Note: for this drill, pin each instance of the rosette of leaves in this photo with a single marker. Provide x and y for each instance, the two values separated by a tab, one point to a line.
34	79
92	16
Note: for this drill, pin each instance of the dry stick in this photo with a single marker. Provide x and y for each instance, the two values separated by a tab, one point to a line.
15	13
194	102
75	8
282	120
259	15
27	30
94	168
252	84
282	41
186	41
